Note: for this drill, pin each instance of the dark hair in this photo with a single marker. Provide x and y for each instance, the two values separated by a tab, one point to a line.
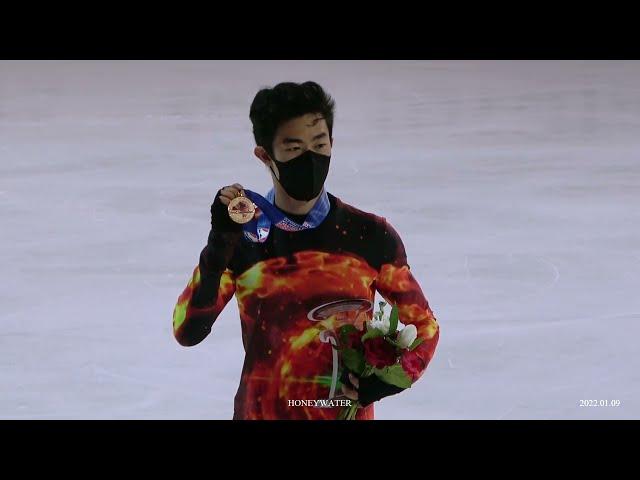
273	106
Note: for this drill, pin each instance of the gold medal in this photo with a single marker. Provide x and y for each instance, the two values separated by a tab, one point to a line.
241	209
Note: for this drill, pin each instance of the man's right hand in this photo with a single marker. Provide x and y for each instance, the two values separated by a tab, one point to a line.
220	220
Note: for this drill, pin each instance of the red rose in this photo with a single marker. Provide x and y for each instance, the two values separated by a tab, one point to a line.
412	363
379	353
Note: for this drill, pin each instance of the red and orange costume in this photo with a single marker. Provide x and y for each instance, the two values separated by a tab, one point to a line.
349	256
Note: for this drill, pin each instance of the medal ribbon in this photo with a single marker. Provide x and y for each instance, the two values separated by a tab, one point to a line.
257	230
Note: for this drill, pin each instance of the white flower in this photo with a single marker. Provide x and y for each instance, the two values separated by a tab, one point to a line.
381	324
407	336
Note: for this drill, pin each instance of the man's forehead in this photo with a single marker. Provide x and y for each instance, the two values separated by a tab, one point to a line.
313	119
305	125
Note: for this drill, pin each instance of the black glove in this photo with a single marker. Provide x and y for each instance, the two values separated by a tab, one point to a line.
220	220
371	388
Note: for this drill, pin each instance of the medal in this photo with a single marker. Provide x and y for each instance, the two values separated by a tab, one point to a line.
241	209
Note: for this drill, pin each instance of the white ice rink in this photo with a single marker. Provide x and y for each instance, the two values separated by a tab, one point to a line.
514	185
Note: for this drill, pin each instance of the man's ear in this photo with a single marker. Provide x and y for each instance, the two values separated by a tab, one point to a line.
262	154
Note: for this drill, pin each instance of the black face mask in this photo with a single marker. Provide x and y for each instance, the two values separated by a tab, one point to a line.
303	177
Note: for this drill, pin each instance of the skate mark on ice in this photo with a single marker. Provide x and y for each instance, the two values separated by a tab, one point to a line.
556	271
466	268
511	409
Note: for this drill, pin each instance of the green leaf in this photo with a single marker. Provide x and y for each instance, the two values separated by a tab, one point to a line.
394	375
393	319
343	331
372	333
415	343
346	328
353	360
368	371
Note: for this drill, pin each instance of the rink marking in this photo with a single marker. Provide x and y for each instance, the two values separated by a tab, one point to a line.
551	323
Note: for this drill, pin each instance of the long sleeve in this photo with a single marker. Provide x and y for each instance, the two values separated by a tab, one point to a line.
396	285
209	289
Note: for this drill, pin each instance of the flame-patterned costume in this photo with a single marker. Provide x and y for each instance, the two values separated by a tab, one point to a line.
278	285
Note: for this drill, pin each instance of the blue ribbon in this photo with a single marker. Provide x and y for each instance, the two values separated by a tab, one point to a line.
257	230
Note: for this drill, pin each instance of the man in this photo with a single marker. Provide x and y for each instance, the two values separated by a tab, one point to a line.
295	287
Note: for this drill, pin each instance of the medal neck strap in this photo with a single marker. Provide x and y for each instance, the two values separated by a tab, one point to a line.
258	230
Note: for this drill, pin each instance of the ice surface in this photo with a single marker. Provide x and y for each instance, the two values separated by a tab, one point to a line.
515	186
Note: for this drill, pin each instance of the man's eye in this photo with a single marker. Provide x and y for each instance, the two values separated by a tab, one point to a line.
321	145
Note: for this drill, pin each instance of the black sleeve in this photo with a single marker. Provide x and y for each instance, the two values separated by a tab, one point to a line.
372	389
212	283
215	258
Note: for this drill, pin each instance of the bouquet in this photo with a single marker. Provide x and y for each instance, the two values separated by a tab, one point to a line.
380	349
